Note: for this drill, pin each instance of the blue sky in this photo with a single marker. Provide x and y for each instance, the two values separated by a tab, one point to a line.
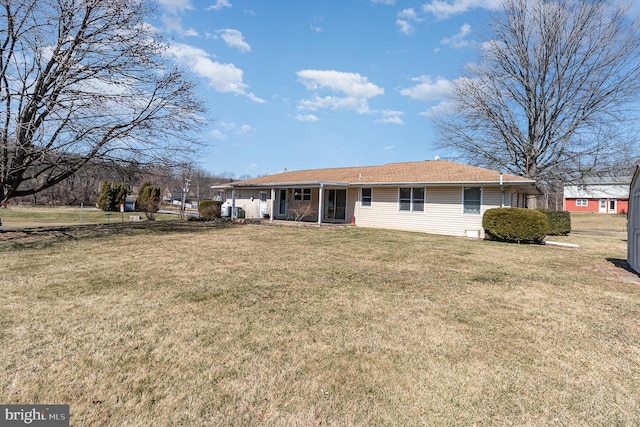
311	84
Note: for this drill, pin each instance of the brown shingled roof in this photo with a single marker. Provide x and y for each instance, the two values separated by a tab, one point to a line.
425	172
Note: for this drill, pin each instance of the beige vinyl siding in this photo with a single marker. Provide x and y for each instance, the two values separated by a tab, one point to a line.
353	200
443	211
243	200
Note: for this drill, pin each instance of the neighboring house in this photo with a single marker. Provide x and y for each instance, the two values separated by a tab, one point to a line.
633	223
436	196
598	195
130	204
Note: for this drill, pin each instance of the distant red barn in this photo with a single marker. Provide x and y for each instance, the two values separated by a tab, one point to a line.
598	195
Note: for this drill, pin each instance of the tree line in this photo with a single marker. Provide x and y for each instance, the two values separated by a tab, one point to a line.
85	186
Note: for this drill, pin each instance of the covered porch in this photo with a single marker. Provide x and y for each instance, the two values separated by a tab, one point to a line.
320	202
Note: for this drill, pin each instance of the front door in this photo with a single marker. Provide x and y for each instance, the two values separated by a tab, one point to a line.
282	202
335	205
262	207
603	206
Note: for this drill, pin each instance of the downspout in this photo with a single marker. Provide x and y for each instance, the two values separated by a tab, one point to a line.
273	203
320	202
501	191
233	205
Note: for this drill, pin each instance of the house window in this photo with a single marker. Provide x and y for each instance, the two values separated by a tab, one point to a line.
365	197
471	200
302	194
412	199
582	202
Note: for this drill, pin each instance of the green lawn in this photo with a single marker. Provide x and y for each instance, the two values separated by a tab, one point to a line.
17	217
190	324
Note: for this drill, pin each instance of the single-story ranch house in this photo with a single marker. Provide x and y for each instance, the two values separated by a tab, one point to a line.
433	196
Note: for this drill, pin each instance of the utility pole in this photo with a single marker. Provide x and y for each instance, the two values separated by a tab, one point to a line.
185	190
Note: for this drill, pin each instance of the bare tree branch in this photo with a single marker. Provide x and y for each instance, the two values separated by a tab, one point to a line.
83	80
552	93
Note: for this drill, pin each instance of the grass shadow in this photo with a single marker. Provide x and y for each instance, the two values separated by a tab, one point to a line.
45	237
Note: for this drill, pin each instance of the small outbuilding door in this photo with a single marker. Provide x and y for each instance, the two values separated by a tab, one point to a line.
634	234
633	222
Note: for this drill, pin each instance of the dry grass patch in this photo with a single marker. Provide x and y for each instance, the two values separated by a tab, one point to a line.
345	326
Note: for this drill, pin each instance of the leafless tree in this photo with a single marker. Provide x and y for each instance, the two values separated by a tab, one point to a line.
300	210
551	97
83	80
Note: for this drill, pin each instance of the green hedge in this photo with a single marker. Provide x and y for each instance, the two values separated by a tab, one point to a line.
559	222
515	225
209	209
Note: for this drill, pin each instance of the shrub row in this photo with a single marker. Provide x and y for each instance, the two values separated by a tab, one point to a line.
515	225
559	222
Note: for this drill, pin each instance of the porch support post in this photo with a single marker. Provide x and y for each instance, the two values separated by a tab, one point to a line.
273	203
233	204
320	203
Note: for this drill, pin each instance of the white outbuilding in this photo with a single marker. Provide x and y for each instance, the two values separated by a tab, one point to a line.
633	223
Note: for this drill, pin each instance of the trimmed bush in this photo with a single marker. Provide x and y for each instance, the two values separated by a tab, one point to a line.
209	209
515	225
559	222
112	196
149	200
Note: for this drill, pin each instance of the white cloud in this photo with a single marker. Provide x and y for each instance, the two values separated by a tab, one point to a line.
316	25
175	7
173	23
234	39
228	128
406	19
404	27
387	2
218	5
391	117
172	19
443	9
316	103
216	134
190	32
428	90
458	40
307	118
354	90
389	148
445	107
235	128
351	84
224	78
244	129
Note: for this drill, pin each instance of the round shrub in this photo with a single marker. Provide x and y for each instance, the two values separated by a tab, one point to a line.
515	225
559	222
209	209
